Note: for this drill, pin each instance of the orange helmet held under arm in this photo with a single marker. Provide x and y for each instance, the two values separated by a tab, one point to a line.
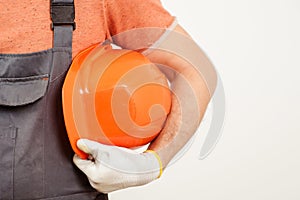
115	97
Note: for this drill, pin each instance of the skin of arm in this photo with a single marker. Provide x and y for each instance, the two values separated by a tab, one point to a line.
191	92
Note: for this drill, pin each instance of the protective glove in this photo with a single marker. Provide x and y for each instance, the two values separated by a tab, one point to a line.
111	168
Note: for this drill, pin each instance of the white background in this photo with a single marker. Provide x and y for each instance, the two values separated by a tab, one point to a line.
255	46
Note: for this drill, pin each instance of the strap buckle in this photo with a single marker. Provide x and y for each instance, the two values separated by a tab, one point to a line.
62	14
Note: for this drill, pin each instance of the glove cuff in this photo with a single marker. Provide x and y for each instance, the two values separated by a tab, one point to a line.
159	161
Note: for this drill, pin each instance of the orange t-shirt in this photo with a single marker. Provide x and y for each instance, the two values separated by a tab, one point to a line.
25	24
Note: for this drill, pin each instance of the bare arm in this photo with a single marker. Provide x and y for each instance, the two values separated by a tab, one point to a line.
193	81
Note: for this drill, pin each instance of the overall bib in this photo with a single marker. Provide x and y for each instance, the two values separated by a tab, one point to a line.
35	154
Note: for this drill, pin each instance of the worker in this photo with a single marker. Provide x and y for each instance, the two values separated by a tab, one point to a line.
35	155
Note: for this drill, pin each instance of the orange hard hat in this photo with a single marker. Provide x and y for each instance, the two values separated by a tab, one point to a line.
115	97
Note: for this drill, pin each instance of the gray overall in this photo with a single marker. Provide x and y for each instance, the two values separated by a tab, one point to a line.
35	155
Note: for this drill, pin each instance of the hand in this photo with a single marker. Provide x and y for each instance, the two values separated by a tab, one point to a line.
112	168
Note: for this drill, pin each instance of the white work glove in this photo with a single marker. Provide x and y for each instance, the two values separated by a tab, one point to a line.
112	168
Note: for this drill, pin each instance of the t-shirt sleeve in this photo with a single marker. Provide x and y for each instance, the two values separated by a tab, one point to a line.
129	15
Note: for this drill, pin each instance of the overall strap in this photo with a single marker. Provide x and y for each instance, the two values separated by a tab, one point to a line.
62	15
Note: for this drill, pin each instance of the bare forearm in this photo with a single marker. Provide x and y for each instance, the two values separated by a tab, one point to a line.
189	103
192	83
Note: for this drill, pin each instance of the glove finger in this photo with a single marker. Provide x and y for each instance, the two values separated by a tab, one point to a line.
98	186
87	146
104	187
92	147
86	166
